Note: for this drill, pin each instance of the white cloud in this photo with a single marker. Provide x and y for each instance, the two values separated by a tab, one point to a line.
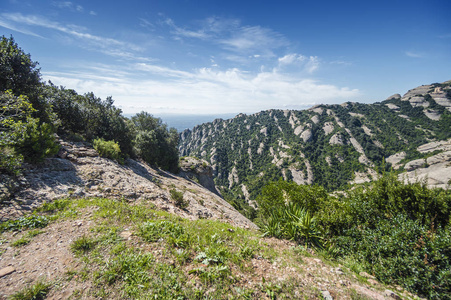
414	54
183	32
202	91
146	24
8	25
138	83
231	36
303	63
254	38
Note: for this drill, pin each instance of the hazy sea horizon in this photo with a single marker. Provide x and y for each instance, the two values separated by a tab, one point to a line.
182	122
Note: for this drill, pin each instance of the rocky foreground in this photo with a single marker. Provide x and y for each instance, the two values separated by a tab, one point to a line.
78	171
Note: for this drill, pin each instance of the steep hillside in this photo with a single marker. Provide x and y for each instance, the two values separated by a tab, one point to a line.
78	171
330	145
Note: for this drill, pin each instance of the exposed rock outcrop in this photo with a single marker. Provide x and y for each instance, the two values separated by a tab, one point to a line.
200	171
79	174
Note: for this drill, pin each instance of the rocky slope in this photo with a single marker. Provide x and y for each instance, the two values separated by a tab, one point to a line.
78	171
331	145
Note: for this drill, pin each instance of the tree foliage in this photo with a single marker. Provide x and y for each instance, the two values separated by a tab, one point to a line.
22	137
32	111
154	142
18	72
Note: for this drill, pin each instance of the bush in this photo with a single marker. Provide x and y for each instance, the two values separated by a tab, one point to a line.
108	149
21	136
280	193
37	141
294	223
155	143
402	251
178	198
400	232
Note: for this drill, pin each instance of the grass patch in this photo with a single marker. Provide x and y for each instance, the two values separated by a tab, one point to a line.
29	222
168	257
26	239
37	291
82	245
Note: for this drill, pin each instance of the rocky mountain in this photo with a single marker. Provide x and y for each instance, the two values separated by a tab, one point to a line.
330	145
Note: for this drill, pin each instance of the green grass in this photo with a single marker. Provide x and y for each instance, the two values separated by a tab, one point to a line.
168	257
26	239
29	222
37	291
175	258
82	245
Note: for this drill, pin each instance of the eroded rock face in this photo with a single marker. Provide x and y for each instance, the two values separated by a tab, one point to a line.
435	171
395	159
395	96
336	139
200	171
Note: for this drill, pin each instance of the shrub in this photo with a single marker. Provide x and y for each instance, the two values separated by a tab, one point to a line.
403	251
178	198
400	232
294	223
36	142
108	149
21	136
155	143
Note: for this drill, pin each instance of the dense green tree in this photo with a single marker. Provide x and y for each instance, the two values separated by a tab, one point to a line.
22	137
18	72
154	142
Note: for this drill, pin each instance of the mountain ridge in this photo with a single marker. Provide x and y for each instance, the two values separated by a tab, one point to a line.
329	145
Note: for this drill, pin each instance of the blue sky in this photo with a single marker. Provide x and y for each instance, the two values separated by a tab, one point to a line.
221	57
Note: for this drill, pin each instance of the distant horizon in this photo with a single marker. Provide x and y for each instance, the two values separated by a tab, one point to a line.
185	121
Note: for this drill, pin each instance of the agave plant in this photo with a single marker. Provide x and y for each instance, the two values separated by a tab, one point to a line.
306	227
273	227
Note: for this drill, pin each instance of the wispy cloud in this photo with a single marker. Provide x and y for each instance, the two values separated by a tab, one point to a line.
252	38
309	64
230	35
146	24
183	32
245	74
106	45
68	5
4	23
414	54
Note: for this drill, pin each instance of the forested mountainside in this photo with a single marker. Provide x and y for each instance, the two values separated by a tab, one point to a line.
329	145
